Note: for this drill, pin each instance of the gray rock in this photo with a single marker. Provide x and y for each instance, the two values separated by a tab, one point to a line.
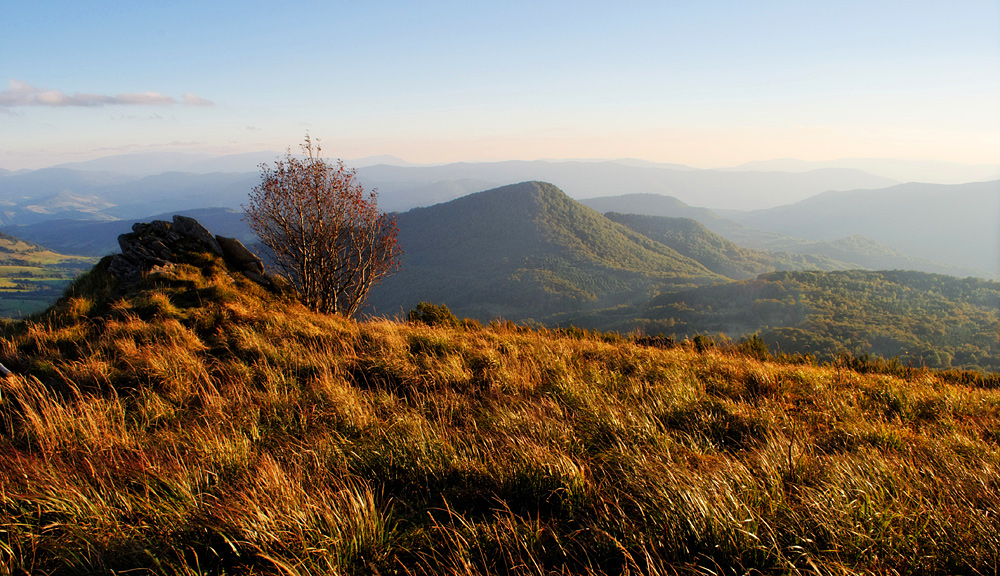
158	244
236	252
191	227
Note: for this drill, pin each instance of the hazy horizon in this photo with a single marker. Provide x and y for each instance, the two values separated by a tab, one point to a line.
154	163
709	85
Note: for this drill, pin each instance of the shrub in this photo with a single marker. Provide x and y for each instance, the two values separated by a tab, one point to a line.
432	315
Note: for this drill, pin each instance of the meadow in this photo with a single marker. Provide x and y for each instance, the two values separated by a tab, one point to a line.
197	424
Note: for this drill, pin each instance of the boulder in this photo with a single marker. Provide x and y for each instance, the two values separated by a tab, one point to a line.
158	244
234	251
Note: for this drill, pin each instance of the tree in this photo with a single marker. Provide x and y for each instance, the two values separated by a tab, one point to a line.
327	235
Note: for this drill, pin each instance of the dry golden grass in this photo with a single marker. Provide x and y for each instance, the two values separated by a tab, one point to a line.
197	425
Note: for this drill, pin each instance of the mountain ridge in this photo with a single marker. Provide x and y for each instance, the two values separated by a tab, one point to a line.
524	251
692	239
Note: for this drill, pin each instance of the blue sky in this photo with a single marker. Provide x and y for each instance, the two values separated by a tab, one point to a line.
703	83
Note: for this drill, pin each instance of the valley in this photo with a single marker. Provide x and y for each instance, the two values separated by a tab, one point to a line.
32	278
639	260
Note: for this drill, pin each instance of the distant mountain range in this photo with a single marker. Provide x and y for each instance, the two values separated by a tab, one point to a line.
957	224
711	188
929	171
401	187
152	163
845	216
961	243
100	237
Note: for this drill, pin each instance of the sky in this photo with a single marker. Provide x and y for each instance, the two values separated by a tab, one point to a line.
707	83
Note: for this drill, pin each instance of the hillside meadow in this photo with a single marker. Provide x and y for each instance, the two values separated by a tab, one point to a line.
196	424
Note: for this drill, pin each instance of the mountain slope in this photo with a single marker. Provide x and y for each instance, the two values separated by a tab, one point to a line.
828	251
693	240
649	205
526	251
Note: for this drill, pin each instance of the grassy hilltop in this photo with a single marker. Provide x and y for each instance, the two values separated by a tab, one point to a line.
196	424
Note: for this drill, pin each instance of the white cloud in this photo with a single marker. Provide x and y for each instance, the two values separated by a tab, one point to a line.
144	99
20	93
192	100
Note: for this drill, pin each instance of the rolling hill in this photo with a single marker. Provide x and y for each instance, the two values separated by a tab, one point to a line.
527	251
690	238
838	238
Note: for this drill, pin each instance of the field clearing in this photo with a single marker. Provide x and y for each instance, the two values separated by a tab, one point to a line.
32	279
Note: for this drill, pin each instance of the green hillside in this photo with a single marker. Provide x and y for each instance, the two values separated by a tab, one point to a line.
924	319
194	424
690	238
31	277
846	241
527	251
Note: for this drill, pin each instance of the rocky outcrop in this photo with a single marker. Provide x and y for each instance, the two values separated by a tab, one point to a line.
244	260
160	243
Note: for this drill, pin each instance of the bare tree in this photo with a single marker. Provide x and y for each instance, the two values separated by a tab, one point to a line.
327	235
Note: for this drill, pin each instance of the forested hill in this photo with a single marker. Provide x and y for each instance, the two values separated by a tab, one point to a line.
692	239
852	221
527	251
925	319
650	205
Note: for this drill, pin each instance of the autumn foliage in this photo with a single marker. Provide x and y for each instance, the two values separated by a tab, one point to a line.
327	235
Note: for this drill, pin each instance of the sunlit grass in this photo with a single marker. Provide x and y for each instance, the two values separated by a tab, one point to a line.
198	425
